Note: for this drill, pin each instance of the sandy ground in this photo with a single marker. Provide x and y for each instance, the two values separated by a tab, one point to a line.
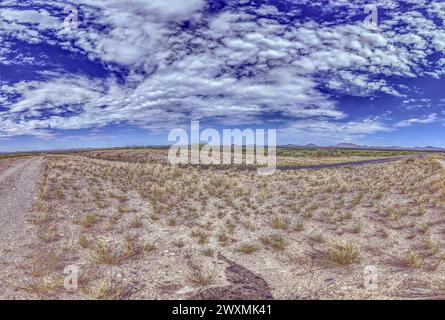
155	232
162	255
17	190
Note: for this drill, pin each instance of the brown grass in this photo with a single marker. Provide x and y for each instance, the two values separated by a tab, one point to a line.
156	217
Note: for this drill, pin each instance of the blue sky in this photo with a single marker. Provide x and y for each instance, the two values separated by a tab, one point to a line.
131	70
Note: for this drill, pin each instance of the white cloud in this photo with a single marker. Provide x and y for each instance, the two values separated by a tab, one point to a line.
231	66
331	132
42	18
428	119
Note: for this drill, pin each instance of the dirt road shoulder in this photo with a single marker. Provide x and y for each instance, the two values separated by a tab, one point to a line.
17	190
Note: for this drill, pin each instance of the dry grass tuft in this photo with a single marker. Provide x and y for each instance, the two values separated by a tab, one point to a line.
131	247
84	241
40	218
48	235
413	259
88	220
136	222
279	223
104	253
275	241
248	248
235	211
109	289
43	286
343	254
200	278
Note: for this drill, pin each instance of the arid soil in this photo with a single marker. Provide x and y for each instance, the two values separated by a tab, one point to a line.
148	231
18	178
154	231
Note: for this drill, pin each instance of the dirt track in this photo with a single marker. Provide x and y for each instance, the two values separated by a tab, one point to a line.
348	164
17	192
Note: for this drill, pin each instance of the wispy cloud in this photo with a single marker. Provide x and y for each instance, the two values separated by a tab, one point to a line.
331	132
409	122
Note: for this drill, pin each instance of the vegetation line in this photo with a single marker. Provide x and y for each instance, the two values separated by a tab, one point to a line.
349	164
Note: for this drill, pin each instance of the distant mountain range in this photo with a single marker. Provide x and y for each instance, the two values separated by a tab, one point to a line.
357	146
307	146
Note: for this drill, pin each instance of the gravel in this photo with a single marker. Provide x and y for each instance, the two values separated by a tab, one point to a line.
17	193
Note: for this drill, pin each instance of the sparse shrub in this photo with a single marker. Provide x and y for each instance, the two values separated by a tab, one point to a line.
103	253
45	285
84	242
348	216
179	243
317	237
378	195
299	226
424	227
275	241
279	223
357	228
201	237
223	239
308	214
413	259
40	218
433	246
130	247
313	207
171	222
88	220
209	252
392	214
421	211
356	201
122	209
136	222
149	247
109	289
200	278
343	254
47	235
248	248
60	194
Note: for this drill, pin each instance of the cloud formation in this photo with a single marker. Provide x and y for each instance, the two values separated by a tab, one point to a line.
424	120
173	61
